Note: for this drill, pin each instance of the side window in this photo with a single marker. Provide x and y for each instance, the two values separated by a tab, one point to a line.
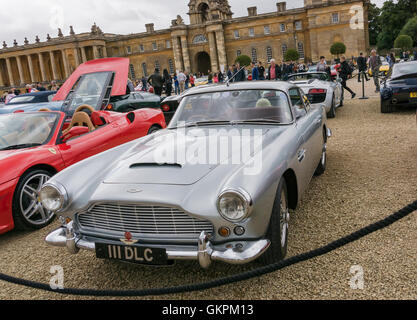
297	102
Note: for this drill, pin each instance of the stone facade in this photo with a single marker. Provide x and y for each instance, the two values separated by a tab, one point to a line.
211	41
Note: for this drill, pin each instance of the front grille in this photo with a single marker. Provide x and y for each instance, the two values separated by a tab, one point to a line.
142	219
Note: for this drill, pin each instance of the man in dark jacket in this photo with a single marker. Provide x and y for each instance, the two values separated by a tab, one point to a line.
156	81
362	66
255	72
344	72
274	71
240	74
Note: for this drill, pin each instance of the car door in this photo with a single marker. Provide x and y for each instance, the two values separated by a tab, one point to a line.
90	144
307	123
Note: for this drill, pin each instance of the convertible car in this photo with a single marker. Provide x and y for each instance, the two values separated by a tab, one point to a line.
32	102
400	88
320	88
36	145
217	185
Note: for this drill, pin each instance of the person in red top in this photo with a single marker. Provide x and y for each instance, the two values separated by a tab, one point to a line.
192	81
274	71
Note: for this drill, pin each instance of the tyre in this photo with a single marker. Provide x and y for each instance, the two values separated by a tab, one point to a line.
386	107
341	101
278	227
321	168
28	212
332	113
153	129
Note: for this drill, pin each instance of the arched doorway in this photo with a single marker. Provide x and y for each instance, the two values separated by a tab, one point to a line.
203	62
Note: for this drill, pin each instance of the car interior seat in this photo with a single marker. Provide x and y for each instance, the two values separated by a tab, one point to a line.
80	119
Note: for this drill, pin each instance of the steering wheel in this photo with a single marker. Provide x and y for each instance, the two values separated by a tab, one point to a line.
85	107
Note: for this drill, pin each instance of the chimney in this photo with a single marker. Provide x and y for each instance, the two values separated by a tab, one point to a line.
149	27
281	6
252	11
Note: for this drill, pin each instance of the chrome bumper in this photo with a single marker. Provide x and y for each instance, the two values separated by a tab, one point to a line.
65	237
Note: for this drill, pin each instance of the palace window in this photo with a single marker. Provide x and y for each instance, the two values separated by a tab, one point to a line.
335	18
144	70
141	48
254	55
154	46
267	30
132	72
282	27
201	38
128	50
238	53
269	53
168	44
157	65
237	35
284	50
298	25
171	66
251	32
300	48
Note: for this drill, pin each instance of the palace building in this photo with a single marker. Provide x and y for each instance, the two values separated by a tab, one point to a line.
212	41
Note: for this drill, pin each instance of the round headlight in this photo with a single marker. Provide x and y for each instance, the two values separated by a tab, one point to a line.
234	205
53	198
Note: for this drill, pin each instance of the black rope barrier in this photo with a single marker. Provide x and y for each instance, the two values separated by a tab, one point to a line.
226	280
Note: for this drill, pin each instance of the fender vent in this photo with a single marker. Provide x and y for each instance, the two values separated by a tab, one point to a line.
155	165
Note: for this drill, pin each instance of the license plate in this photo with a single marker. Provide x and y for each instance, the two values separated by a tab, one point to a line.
413	94
132	254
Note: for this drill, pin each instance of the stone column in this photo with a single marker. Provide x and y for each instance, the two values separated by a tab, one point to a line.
1	78
42	67
83	54
177	54
32	73
221	48
66	64
77	57
95	52
20	69
104	52
10	73
186	56
213	52
54	71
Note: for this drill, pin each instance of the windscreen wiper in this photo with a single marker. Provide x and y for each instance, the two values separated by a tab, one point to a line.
205	123
21	146
258	121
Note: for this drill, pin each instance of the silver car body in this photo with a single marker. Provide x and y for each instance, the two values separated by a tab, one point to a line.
333	88
125	179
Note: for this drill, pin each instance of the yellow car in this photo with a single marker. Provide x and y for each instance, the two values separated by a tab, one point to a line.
201	81
383	70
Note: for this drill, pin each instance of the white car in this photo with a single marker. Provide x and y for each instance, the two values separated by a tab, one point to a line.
320	89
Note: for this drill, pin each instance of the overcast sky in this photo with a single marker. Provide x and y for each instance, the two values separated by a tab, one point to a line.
23	18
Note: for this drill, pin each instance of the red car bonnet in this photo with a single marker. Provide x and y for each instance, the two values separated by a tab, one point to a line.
118	65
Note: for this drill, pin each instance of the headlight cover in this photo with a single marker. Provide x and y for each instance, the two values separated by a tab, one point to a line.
234	205
53	197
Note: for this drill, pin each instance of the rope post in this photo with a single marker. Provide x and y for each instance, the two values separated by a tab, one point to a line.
362	73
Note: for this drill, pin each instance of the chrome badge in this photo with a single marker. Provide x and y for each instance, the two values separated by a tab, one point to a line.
128	239
134	190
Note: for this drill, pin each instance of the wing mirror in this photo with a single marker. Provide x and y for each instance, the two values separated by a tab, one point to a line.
339	80
74	132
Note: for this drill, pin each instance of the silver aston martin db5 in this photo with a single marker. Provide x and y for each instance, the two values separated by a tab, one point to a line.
216	185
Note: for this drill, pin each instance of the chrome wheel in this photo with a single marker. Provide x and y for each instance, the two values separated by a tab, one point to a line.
30	205
284	218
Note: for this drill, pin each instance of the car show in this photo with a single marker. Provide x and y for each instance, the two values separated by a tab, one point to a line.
267	153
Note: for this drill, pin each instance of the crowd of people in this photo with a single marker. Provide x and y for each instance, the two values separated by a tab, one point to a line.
30	88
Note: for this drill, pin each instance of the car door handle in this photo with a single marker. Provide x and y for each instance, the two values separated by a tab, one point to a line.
301	155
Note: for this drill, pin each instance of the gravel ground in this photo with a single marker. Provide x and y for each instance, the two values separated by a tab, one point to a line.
372	171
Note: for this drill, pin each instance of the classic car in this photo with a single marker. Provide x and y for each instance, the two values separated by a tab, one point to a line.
400	87
320	88
383	69
31	102
133	101
169	106
167	197
36	145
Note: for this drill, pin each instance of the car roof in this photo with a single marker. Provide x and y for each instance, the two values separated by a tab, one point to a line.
246	85
35	94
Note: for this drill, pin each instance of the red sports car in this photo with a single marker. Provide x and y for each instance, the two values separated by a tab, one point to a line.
36	145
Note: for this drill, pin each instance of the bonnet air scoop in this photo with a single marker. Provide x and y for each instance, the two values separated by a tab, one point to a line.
155	165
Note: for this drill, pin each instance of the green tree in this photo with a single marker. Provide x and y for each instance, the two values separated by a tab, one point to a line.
392	18
410	29
243	60
291	55
338	48
403	42
374	23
